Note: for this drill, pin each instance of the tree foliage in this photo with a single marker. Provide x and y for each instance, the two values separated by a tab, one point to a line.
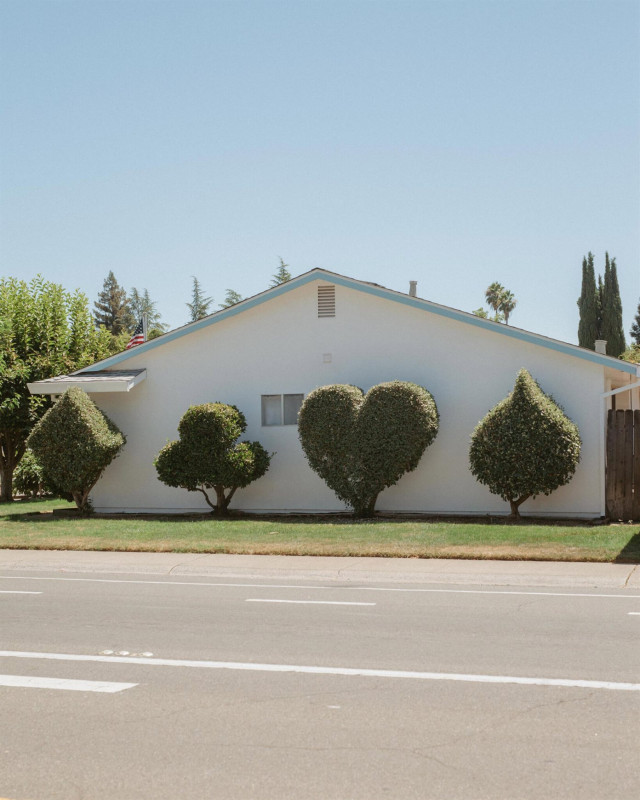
44	331
360	444
112	310
600	307
199	305
635	328
75	442
282	275
612	326
231	298
525	446
141	303
501	300
589	305
208	456
30	478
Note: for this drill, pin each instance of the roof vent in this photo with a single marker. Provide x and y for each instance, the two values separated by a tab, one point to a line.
413	288
326	301
601	346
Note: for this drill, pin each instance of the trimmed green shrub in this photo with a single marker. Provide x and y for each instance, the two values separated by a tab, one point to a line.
75	442
525	446
360	444
29	479
207	456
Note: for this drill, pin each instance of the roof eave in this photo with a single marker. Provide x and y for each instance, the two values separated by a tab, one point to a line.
100	385
376	291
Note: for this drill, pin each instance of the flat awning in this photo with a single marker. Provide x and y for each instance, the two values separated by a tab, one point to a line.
91	382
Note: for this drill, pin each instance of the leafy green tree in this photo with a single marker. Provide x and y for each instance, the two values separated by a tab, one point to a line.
525	446
632	354
282	275
199	305
612	327
112	310
44	331
75	442
360	444
140	304
588	303
208	456
635	328
231	298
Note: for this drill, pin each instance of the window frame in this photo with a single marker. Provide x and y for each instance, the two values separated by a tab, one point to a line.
281	423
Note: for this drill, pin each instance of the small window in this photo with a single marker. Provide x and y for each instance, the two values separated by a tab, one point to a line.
281	409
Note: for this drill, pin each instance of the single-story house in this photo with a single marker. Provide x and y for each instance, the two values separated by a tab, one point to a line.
269	351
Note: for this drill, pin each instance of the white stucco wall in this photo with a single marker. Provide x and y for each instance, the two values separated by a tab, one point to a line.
278	348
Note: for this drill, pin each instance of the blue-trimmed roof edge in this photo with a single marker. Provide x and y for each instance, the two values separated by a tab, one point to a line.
376	291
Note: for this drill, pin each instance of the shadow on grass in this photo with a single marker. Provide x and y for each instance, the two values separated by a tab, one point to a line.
630	553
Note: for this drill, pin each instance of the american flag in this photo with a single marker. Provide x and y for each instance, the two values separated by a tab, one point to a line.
137	337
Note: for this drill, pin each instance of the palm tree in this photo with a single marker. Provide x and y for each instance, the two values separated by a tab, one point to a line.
507	304
493	296
501	300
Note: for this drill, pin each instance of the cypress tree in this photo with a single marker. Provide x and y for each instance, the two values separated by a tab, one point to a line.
599	307
588	327
635	328
612	329
111	311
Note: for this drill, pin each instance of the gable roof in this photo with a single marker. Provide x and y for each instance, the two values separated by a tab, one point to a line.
377	291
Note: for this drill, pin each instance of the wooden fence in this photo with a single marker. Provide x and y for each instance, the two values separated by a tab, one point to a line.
623	465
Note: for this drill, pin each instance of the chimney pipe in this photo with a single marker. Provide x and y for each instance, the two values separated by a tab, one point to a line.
601	346
413	287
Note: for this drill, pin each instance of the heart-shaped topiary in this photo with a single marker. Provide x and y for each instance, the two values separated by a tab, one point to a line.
360	444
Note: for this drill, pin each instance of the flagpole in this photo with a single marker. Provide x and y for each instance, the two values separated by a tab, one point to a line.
144	325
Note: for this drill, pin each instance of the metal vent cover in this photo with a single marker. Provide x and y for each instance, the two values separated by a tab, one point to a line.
326	301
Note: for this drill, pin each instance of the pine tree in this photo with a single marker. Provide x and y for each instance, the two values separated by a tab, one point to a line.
141	303
281	276
230	299
199	305
588	327
635	328
612	328
112	311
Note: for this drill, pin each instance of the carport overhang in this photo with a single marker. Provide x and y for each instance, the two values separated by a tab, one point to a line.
91	382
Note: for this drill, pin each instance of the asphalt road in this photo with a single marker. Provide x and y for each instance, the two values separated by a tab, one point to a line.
135	686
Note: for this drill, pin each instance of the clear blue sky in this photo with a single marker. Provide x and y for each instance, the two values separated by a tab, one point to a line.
452	143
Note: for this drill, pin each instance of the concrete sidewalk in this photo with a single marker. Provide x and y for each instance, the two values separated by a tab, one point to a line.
318	568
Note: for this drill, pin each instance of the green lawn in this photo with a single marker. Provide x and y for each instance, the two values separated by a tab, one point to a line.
33	525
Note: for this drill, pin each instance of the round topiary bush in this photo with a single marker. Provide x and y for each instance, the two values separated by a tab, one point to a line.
525	446
360	444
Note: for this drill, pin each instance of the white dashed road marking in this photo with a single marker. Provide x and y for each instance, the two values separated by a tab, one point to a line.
308	602
30	682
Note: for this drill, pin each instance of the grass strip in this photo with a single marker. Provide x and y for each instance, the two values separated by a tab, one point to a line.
33	525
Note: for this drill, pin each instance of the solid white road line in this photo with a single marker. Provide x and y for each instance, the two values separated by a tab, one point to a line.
634	613
308	602
9	592
328	588
346	671
31	682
